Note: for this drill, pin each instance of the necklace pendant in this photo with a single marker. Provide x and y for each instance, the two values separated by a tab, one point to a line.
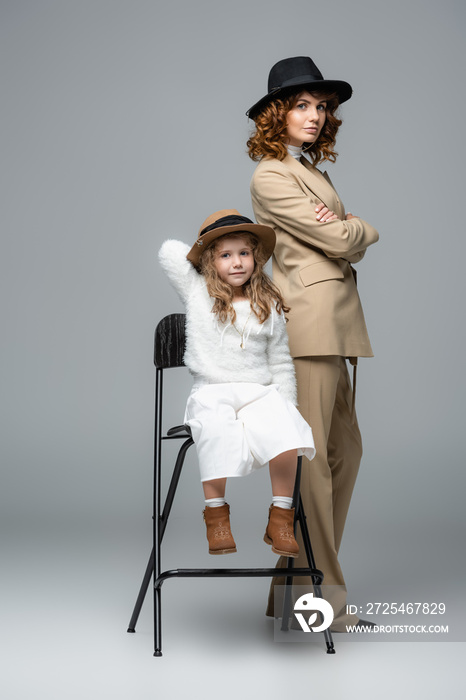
241	333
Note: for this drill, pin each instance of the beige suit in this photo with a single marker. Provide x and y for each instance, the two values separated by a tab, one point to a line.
312	267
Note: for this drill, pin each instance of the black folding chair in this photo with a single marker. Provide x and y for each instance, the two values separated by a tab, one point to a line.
169	349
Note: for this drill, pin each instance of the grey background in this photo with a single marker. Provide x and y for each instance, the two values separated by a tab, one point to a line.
122	124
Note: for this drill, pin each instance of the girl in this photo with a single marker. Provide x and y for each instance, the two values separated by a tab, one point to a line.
317	242
241	409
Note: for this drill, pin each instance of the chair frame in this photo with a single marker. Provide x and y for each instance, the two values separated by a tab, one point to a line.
168	353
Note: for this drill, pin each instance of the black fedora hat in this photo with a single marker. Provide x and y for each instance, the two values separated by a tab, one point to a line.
298	72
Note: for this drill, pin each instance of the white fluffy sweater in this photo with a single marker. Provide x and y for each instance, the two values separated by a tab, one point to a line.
213	353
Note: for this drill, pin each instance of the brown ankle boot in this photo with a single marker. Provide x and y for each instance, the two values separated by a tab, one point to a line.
219	535
279	532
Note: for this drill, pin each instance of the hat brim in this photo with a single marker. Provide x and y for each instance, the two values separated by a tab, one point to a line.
343	90
264	233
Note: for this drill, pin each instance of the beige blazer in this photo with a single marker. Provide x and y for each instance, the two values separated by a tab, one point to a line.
311	261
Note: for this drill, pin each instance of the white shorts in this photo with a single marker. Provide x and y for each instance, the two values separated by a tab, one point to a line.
238	427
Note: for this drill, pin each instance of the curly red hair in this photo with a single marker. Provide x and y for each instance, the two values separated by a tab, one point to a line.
269	138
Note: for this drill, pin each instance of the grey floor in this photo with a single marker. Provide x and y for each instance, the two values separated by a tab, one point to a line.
68	595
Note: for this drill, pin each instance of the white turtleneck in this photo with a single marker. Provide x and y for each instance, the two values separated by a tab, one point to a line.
295	151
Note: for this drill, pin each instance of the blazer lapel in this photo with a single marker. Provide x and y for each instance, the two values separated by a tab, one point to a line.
338	207
319	183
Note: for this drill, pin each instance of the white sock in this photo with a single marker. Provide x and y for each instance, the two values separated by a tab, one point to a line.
282	502
215	502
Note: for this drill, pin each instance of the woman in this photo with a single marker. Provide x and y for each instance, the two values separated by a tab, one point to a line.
316	244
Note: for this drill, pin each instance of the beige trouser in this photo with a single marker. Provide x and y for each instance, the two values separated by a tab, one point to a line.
325	399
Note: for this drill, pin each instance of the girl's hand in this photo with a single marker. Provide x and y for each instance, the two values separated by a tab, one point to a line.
323	213
350	216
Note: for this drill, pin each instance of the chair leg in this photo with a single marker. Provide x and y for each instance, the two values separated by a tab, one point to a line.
311	561
142	593
287	598
289	579
157	592
300	517
166	512
159	531
157	620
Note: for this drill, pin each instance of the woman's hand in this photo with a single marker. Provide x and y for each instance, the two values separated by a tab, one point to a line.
351	216
323	213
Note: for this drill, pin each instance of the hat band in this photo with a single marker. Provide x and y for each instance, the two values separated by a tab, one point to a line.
226	221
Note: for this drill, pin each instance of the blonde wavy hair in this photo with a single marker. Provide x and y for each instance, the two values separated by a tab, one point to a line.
269	138
259	289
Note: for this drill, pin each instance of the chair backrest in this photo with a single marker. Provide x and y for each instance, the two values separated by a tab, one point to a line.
170	341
